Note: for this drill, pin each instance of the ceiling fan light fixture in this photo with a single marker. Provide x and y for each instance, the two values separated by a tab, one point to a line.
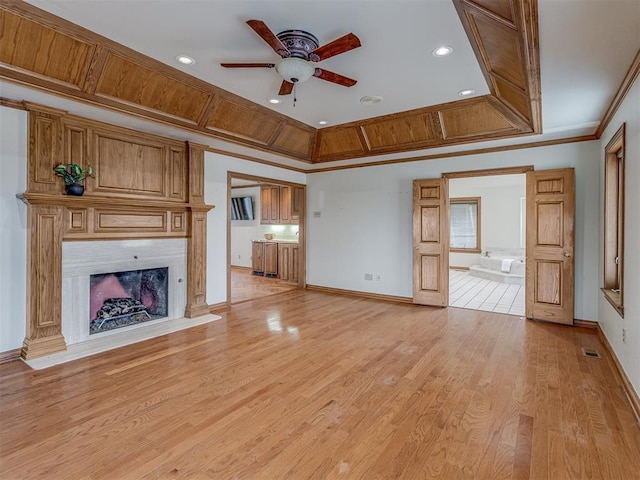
295	70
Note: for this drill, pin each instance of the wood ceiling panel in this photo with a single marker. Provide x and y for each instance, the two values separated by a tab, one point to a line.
501	45
473	120
51	53
295	140
131	82
46	52
515	97
402	130
502	8
339	142
242	121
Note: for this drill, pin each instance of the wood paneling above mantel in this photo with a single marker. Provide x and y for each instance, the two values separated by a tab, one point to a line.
43	51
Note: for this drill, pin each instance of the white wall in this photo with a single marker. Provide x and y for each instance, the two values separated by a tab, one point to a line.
612	324
215	170
244	231
365	219
13	228
499	212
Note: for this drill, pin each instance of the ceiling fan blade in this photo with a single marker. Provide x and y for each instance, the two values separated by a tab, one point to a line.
286	88
334	78
268	36
248	65
338	46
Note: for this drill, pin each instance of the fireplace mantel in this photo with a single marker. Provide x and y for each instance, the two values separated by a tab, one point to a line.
144	187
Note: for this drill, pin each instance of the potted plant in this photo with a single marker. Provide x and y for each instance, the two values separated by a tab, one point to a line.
73	175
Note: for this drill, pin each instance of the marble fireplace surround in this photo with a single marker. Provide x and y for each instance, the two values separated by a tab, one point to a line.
80	260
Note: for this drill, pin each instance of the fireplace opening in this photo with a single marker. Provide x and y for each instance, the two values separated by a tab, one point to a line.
120	299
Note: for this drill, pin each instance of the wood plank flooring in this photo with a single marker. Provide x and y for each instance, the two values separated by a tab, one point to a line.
310	385
246	286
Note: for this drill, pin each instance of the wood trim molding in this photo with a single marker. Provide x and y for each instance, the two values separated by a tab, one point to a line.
632	395
461	153
9	356
487	172
625	86
355	293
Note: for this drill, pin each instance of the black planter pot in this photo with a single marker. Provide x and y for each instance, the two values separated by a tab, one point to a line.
75	189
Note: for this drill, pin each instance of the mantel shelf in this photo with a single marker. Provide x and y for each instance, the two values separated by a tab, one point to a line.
85	201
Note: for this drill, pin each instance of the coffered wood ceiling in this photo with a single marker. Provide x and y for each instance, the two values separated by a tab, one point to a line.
41	50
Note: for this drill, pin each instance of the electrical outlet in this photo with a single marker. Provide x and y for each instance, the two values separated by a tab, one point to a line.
368	276
624	335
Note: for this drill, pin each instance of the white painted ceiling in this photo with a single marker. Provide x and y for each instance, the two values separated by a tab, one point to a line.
586	47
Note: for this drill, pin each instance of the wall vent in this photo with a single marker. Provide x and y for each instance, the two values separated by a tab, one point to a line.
590	352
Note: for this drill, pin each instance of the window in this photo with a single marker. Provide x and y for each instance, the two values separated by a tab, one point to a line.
465	224
614	221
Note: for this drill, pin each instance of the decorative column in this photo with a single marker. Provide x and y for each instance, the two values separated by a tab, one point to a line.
197	236
45	224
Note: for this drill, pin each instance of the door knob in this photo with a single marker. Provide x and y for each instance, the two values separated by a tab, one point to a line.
566	254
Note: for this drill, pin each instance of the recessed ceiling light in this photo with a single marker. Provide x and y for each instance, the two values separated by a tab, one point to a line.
371	99
466	93
322	122
185	60
442	51
274	100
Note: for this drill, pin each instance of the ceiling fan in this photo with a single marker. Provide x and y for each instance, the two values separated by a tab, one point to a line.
298	49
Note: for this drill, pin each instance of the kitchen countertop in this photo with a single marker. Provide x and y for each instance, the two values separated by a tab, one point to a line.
275	240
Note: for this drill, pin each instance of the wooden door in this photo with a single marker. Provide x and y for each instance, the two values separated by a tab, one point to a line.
431	242
550	245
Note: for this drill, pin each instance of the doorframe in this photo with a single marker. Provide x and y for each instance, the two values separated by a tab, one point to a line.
302	224
491	172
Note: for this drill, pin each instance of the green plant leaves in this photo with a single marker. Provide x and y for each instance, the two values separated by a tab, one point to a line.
72	173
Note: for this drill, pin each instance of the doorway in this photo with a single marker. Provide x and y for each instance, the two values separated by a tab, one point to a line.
487	243
266	231
550	241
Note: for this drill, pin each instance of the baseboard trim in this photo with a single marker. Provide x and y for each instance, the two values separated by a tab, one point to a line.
356	293
10	355
218	307
454	267
585	323
632	395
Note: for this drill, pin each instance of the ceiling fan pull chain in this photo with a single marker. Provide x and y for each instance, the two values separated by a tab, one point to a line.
294	95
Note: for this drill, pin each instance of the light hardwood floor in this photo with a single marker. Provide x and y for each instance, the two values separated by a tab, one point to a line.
246	286
310	385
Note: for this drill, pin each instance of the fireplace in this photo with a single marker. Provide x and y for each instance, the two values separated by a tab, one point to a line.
120	299
116	285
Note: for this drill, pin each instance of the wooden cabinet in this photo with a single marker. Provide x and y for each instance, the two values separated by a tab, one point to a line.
281	205
288	262
264	259
270	205
257	258
270	259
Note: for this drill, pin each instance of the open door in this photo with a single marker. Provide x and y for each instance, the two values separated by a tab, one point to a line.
431	242
550	245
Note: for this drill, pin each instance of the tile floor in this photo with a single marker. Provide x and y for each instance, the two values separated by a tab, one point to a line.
467	291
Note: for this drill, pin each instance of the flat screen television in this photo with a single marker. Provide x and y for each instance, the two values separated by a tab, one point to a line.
242	208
